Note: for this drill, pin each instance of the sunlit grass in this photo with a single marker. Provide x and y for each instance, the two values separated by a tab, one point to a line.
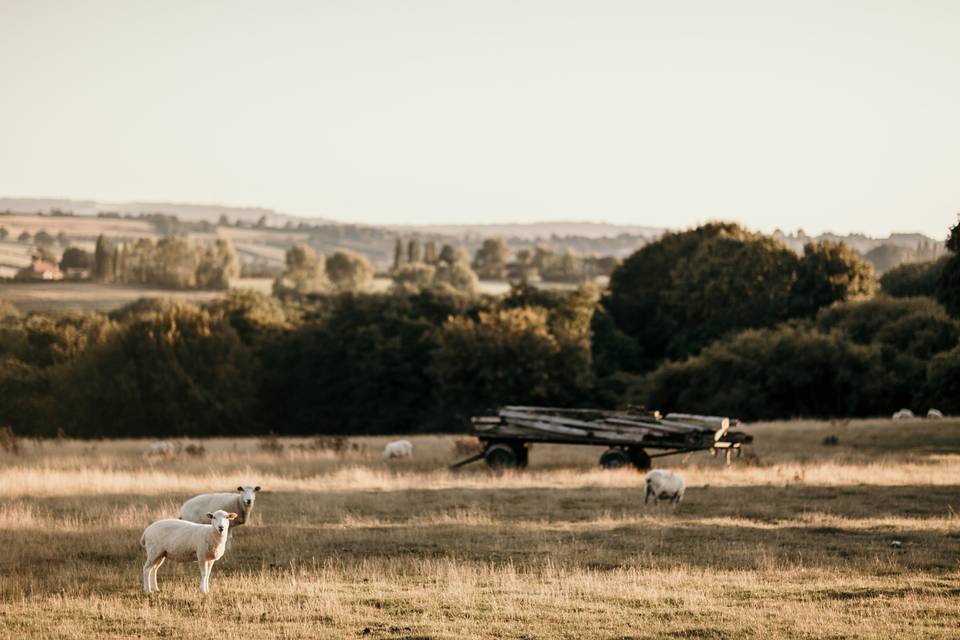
796	541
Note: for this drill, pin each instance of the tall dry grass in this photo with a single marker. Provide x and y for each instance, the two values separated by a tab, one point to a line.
796	542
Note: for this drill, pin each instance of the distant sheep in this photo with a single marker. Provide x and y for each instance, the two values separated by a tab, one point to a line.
934	414
183	542
664	485
903	414
196	508
398	449
162	449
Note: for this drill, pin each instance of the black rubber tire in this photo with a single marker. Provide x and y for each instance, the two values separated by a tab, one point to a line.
523	455
614	459
639	458
501	456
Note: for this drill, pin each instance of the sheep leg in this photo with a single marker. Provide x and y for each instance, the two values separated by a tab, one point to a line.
153	573
149	573
205	567
646	496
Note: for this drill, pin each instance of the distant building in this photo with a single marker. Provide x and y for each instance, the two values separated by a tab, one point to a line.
40	270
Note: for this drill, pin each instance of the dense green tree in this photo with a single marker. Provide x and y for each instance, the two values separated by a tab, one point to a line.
413	278
398	254
179	372
306	272
943	381
76	258
510	356
430	252
677	295
356	365
218	265
349	271
790	371
413	251
103	260
914	279
829	272
948	282
490	261
43	238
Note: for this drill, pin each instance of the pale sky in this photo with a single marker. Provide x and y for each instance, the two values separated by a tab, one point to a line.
827	115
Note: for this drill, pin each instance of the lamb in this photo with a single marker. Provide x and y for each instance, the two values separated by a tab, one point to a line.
934	414
664	485
903	414
196	508
184	541
398	449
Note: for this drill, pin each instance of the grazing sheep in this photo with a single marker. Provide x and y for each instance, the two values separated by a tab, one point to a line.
934	414
183	542
196	508
162	449
398	449
664	485
903	414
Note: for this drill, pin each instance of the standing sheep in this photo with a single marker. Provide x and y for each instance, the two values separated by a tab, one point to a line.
398	449
664	485
197	508
183	542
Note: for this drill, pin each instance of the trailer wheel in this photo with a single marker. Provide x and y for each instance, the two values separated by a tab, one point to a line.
501	456
614	459
639	458
523	455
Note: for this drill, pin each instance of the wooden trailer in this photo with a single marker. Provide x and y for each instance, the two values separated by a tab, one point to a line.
629	435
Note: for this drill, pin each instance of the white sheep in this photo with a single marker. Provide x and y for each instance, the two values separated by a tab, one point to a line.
162	449
183	542
196	508
664	485
934	414
398	449
903	414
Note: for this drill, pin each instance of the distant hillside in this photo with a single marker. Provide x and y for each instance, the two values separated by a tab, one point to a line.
184	211
262	235
534	230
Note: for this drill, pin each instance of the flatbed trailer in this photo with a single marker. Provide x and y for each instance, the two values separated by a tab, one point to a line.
628	435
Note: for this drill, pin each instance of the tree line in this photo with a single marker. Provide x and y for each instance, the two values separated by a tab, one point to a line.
715	319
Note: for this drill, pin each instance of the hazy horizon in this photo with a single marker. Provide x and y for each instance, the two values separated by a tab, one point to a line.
818	116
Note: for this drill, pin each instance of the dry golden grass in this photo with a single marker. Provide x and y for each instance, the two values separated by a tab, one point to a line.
792	543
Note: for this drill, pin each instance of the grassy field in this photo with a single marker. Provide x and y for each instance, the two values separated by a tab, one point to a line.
792	541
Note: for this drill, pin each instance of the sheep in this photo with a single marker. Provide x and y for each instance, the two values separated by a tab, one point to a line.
934	414
903	414
196	508
664	485
398	449
184	541
162	449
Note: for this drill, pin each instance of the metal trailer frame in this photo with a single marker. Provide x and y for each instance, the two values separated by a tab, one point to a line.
626	434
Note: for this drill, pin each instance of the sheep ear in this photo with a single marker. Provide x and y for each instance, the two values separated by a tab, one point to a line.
210	515
231	516
255	489
239	488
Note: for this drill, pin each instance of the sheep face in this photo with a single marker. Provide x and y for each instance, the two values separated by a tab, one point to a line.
221	520
248	495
